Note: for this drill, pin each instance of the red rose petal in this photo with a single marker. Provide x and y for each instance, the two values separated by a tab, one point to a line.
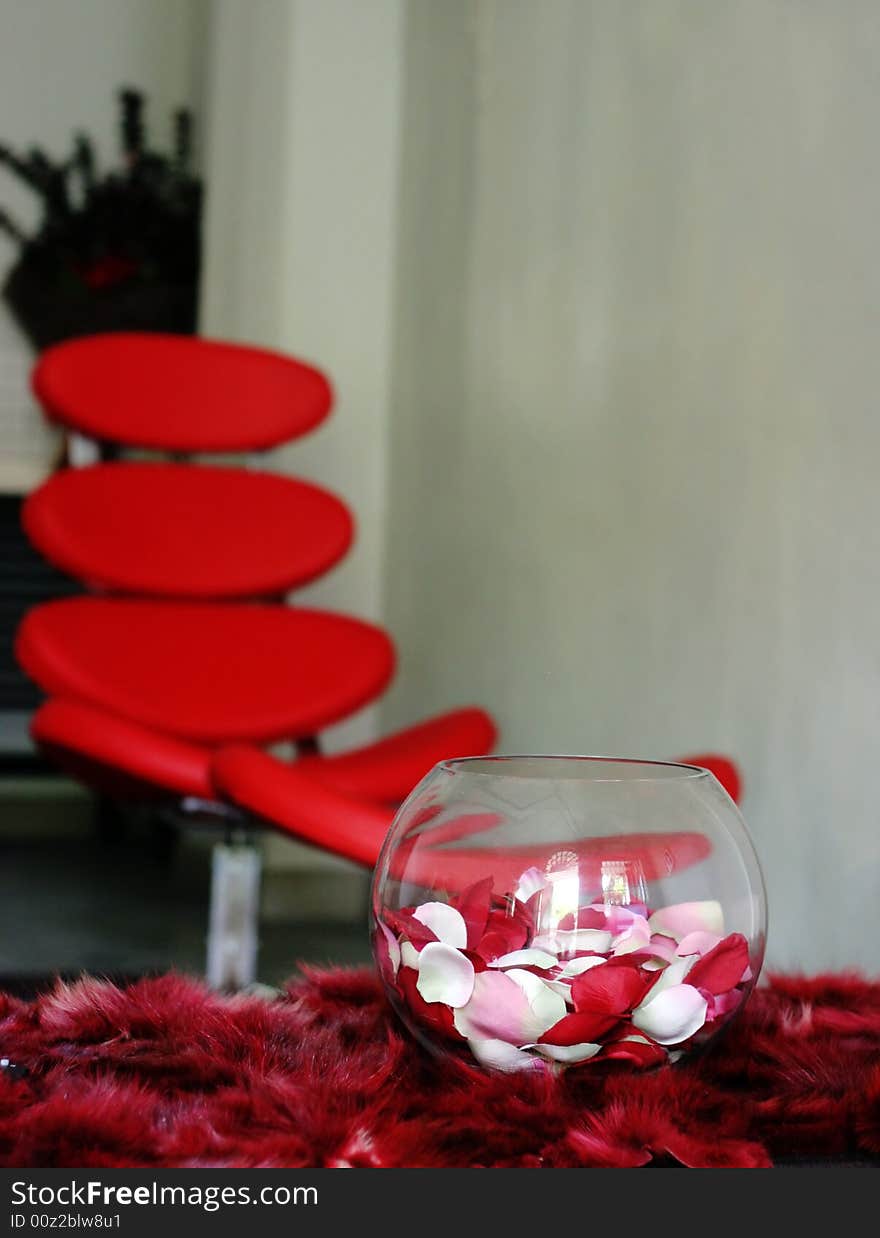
640	1055
579	1029
473	905
405	924
609	989
583	918
503	935
722	967
436	1015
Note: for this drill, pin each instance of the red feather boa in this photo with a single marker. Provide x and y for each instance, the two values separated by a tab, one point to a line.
165	1073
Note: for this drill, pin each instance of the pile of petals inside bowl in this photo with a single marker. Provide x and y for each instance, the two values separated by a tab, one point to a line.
609	982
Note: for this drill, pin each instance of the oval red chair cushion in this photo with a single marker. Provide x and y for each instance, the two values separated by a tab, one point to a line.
127	759
207	672
387	770
179	392
118	757
722	768
178	530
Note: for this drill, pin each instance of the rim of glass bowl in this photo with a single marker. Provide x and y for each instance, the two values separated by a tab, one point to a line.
535	766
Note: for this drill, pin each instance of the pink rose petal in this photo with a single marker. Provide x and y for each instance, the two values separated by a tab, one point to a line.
671	1015
683	918
445	923
697	943
498	1010
547	1007
445	975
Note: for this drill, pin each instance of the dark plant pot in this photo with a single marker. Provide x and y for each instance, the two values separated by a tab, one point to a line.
55	305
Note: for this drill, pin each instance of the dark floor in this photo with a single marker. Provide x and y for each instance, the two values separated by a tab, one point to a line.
71	901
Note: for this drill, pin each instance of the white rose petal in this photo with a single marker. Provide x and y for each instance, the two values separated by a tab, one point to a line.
526	958
566	1053
445	975
499	1055
672	1015
445	923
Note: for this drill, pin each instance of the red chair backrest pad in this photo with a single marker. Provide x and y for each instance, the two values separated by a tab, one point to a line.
207	672
179	393
177	530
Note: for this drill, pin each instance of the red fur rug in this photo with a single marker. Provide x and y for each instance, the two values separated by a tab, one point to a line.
165	1073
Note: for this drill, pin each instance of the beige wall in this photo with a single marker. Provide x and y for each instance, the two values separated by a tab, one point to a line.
300	236
635	441
61	65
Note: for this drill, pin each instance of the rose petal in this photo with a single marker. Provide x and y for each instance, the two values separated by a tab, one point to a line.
723	966
445	975
404	924
547	1006
530	882
560	987
636	937
635	1049
722	1004
697	943
409	955
578	1029
673	974
672	1015
574	941
608	990
683	918
498	1010
566	1053
503	934
526	958
576	967
389	948
618	918
583	918
437	1015
499	1055
445	923
473	905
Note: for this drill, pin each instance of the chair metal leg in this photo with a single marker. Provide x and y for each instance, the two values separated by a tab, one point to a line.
234	914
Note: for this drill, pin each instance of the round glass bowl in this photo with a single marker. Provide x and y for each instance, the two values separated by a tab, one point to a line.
538	912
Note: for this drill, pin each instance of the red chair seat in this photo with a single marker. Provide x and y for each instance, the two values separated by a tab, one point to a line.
387	770
118	757
178	530
124	758
179	393
207	672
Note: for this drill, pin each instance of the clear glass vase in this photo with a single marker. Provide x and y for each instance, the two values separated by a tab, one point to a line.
541	913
